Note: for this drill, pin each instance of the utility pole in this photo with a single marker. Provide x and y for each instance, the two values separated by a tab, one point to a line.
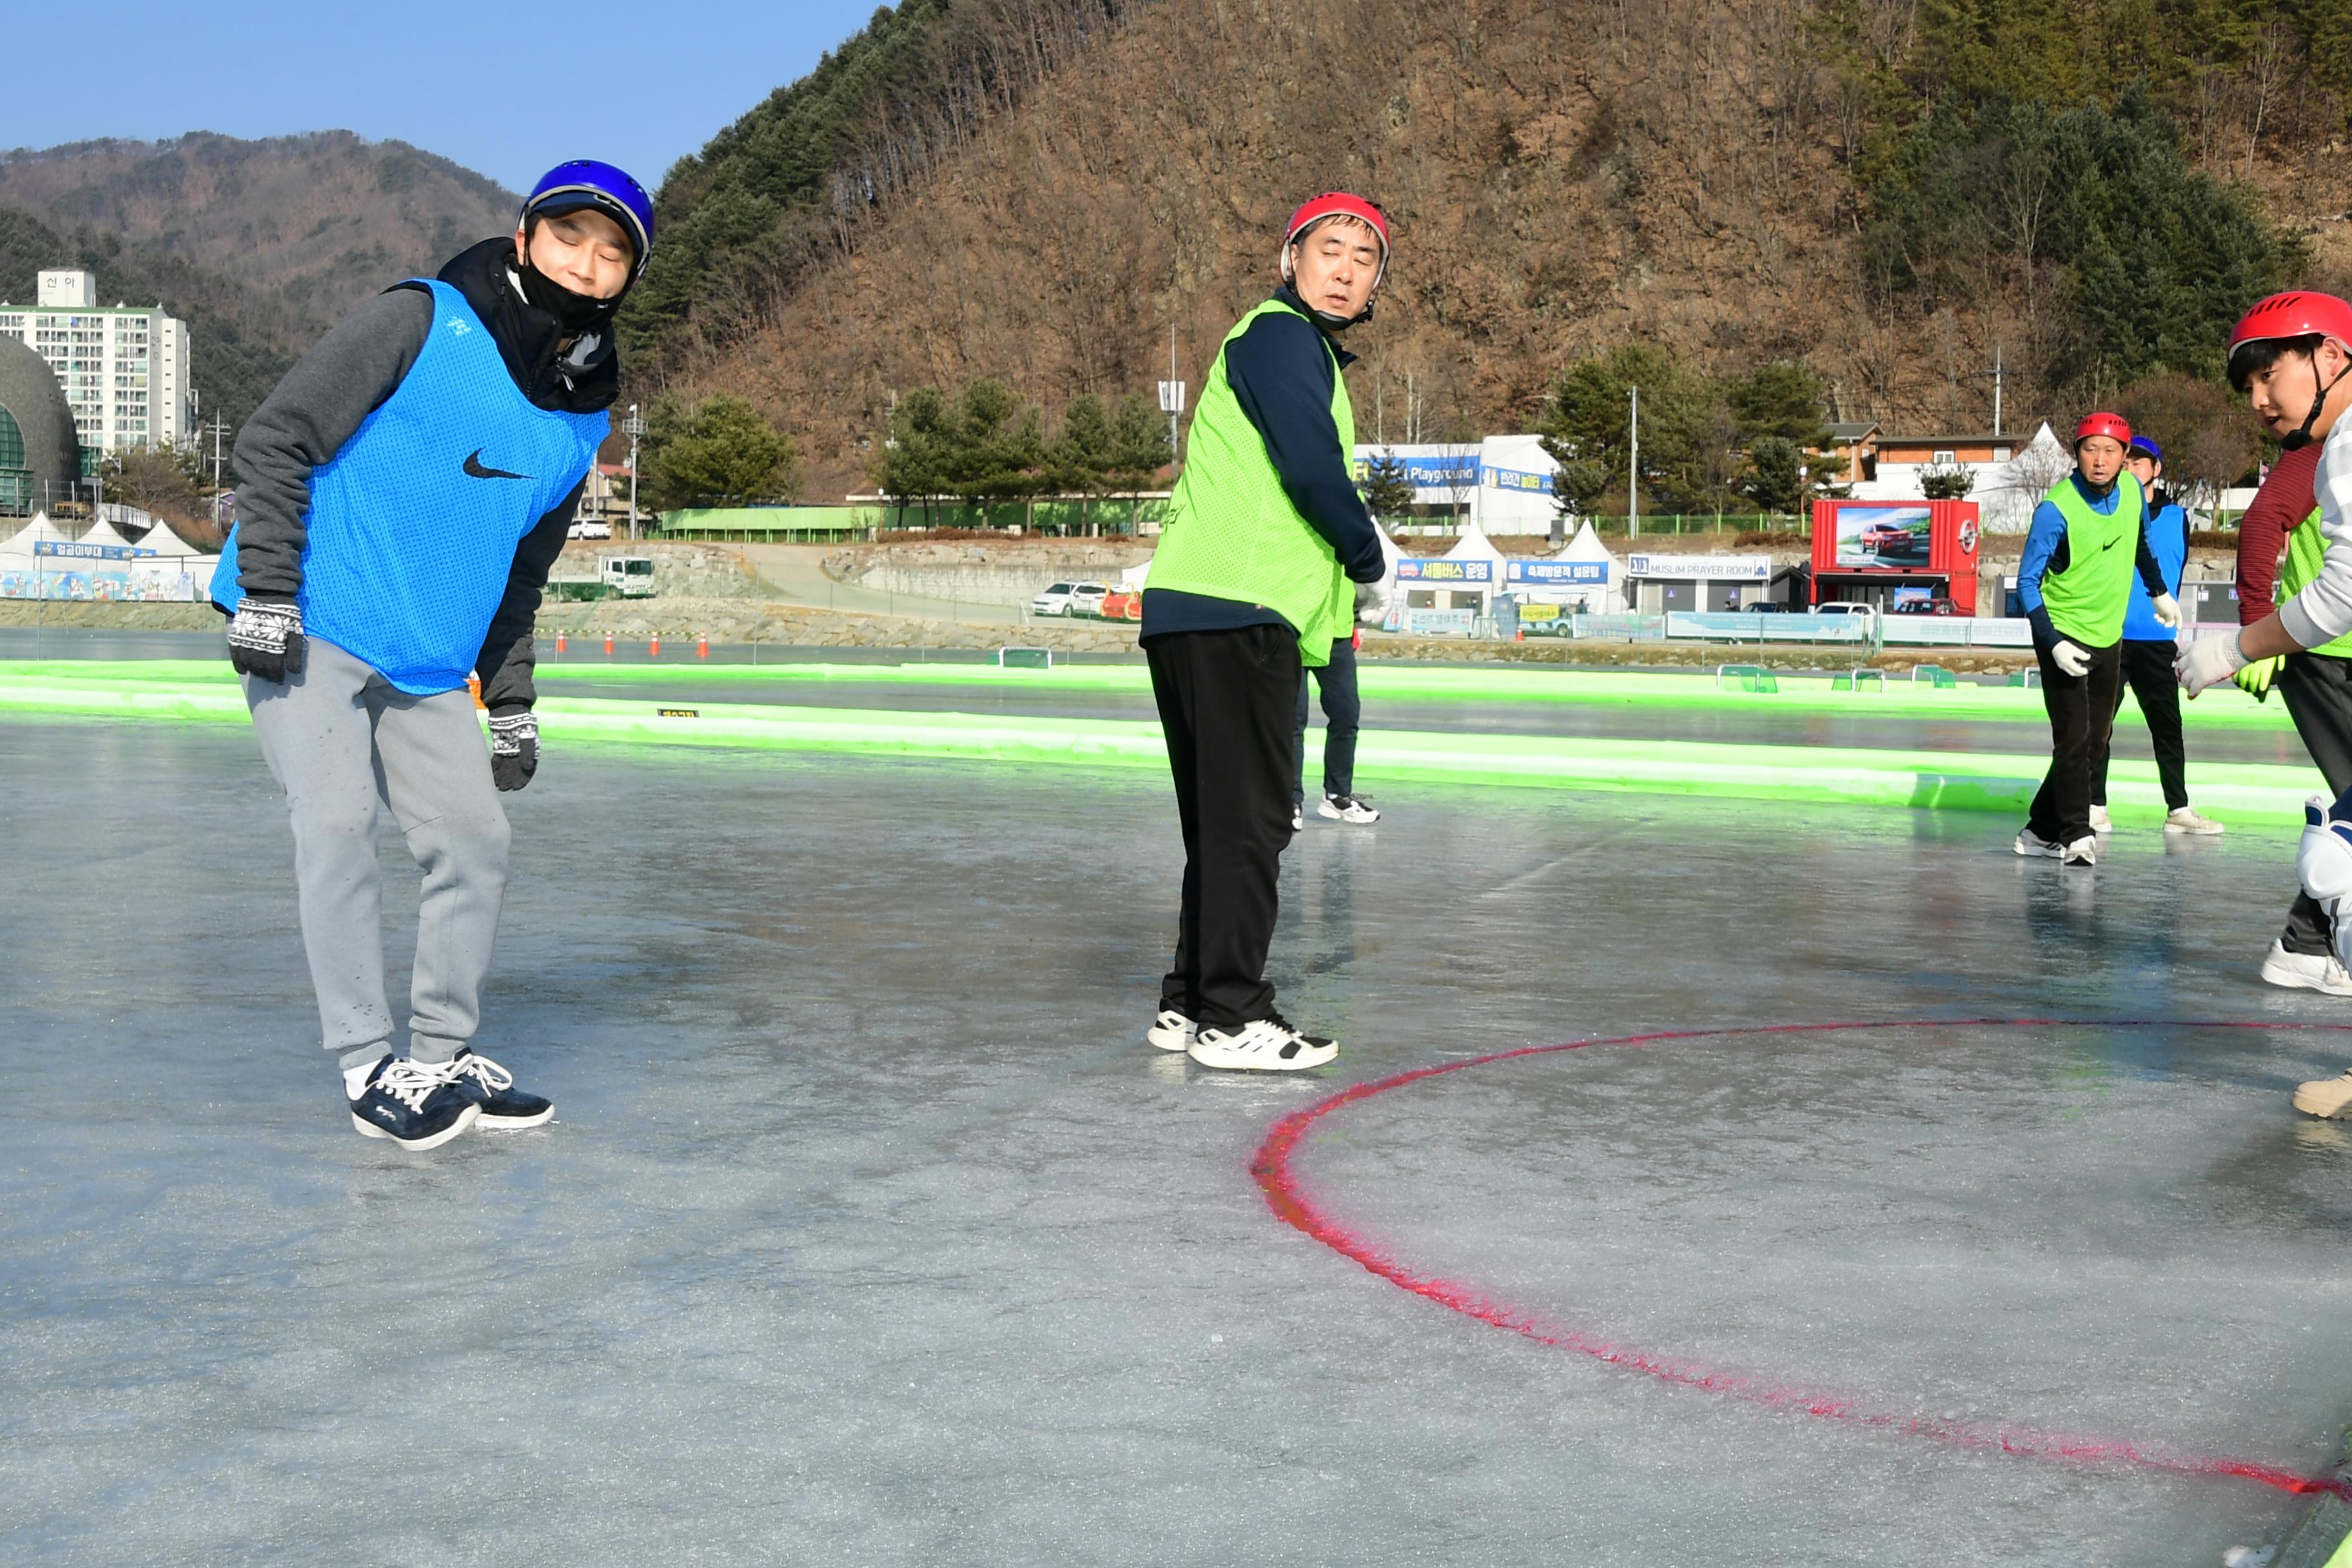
1634	470
1996	389
1172	396
633	427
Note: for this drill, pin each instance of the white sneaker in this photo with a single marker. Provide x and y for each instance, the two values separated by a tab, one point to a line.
2032	843
2324	862
1347	808
2185	820
2100	821
2304	971
2328	1097
1269	1045
2084	851
1298	820
1172	1031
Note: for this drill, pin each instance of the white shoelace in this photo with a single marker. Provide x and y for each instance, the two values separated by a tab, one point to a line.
409	1082
483	1070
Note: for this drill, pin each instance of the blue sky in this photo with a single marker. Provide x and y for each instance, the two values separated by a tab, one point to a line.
505	90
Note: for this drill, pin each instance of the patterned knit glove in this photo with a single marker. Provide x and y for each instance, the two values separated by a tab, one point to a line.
514	748
265	638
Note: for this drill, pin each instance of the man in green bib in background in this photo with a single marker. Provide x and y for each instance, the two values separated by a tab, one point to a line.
1253	580
2074	584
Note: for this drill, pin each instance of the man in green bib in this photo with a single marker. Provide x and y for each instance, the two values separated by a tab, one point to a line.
2074	582
1254	578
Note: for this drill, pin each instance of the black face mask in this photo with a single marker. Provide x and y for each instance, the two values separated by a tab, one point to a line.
557	364
574	312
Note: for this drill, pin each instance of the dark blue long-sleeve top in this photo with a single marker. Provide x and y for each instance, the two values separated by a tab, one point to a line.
2168	540
1282	372
2045	552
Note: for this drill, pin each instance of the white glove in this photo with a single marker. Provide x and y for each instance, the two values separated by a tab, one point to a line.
2168	611
2069	658
2209	661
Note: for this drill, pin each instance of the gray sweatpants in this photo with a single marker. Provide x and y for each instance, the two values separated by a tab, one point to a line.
339	737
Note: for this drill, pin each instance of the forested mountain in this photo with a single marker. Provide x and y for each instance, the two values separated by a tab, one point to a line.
316	222
258	245
240	340
1885	190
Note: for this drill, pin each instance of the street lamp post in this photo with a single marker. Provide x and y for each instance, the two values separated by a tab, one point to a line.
633	427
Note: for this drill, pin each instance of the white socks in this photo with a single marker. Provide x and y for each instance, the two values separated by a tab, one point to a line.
355	1079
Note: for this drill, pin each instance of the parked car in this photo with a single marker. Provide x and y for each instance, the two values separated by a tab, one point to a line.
1054	601
1087	598
1764	607
585	530
1928	607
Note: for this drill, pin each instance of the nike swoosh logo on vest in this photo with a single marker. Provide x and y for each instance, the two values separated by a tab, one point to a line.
474	469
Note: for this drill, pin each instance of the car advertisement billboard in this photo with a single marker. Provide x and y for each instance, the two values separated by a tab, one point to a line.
1870	536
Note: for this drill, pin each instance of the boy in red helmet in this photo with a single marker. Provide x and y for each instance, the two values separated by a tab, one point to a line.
2074	581
2291	355
1252	582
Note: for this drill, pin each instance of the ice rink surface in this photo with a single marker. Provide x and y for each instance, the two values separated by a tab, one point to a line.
869	1231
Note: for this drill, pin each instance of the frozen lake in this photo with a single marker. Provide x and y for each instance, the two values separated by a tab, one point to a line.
869	1231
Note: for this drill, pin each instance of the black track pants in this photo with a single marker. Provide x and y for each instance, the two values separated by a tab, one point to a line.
2082	716
2147	670
1226	699
1343	711
2317	688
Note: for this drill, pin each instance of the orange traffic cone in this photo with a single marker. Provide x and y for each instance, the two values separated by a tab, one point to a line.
653	651
702	646
559	644
608	644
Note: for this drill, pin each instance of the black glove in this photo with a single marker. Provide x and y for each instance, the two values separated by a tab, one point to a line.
514	747
265	637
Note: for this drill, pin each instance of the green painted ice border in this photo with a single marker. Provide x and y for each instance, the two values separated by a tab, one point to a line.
2322	1537
2223	708
2243	792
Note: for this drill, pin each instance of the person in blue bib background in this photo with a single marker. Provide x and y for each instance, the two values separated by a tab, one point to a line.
2149	647
404	491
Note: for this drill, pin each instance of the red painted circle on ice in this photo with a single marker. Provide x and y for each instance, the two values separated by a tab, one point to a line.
1272	1166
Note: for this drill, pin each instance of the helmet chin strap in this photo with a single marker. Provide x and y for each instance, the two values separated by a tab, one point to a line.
2295	440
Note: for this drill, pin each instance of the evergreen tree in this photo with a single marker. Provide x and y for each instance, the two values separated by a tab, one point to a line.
717	452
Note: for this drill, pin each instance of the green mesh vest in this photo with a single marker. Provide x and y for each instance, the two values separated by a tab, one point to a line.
2305	548
2087	602
1231	533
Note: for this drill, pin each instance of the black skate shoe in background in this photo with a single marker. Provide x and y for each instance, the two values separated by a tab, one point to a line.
491	1087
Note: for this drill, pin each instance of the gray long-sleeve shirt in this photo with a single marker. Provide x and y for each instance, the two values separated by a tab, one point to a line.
320	405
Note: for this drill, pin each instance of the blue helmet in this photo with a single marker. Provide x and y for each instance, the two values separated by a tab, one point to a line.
2147	446
583	184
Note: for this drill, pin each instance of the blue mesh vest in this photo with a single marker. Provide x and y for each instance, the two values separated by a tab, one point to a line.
414	522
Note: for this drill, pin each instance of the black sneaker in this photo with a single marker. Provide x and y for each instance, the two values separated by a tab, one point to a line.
492	1088
415	1104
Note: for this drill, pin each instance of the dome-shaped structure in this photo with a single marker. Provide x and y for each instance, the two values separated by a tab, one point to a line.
38	447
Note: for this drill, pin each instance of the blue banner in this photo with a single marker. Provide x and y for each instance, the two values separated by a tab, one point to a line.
1558	573
89	551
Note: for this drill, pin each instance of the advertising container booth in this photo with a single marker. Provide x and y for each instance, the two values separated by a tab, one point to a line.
1899	557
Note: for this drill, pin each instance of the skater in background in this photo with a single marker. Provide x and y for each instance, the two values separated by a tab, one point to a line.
2149	647
1253	578
2292	356
404	491
1343	710
2074	581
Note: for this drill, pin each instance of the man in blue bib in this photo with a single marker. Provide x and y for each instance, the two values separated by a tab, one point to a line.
404	491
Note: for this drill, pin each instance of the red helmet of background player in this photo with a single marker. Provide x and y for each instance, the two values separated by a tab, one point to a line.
1335	204
2112	425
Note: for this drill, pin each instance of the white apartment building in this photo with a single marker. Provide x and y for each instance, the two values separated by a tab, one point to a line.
124	370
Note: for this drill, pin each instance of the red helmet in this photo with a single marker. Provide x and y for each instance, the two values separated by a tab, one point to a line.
1336	204
2298	313
2110	425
